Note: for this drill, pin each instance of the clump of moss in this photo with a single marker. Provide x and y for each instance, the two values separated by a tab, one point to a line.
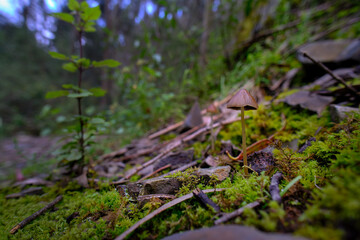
334	210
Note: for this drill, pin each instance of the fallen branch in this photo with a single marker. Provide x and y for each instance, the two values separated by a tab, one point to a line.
274	187
236	213
161	209
336	77
35	215
206	200
154	172
166	130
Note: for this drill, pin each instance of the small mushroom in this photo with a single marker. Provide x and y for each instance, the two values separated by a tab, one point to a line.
212	109
243	101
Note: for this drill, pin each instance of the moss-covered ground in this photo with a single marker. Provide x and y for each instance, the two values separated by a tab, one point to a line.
323	204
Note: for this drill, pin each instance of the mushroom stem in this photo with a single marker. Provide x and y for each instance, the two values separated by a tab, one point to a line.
244	140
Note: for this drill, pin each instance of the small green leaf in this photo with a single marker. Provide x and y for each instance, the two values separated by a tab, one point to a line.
106	63
73	155
84	5
68	86
80	95
83	62
97	92
65	17
56	94
69	67
97	121
73	5
57	55
89	27
91	13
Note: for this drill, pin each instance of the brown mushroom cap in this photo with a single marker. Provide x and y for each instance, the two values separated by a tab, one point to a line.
242	99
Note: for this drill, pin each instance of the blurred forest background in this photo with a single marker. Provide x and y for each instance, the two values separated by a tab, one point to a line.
172	53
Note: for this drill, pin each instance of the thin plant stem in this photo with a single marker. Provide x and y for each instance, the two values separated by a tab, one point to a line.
81	121
244	140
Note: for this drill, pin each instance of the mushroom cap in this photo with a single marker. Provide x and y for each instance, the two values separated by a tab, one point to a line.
242	99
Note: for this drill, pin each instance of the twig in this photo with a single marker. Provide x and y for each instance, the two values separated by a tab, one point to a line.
274	187
236	213
316	184
161	209
206	200
166	130
156	171
180	169
339	79
35	215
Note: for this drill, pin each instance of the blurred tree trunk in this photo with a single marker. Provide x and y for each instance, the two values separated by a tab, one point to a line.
106	81
206	30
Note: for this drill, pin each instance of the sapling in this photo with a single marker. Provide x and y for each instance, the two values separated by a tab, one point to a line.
83	18
243	101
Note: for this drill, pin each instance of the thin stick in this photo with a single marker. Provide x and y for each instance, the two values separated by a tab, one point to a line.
156	171
244	139
339	79
236	213
35	215
206	200
274	187
166	130
161	209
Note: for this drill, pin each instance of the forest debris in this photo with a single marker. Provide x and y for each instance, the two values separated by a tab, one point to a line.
308	100
220	173
26	192
82	180
156	171
170	185
307	144
161	209
228	216
261	161
206	200
285	80
35	215
109	169
274	187
180	169
339	79
327	80
166	130
194	117
231	232
176	143
72	217
33	181
147	198
339	113
321	35
210	160
176	160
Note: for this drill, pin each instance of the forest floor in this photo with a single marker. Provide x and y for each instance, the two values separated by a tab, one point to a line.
302	179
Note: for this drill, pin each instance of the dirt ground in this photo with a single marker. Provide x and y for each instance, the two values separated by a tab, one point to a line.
21	151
